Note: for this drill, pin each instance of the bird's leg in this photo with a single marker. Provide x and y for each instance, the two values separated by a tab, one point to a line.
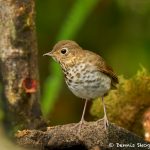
82	118
105	115
83	113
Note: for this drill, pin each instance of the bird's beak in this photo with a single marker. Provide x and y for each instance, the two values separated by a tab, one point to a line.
48	54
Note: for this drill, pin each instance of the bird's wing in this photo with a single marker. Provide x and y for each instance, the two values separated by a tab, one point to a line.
106	69
101	65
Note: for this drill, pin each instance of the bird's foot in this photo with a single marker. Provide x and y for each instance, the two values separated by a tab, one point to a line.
79	125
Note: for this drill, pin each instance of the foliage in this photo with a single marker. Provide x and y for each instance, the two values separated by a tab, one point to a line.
51	87
127	104
76	18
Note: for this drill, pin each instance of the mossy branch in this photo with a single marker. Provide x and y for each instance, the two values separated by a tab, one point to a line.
127	104
92	136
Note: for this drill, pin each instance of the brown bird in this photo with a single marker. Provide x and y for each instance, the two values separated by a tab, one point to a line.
86	73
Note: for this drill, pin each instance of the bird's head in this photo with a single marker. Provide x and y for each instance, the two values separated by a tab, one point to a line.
64	51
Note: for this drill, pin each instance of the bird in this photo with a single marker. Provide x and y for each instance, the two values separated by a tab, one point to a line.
86	73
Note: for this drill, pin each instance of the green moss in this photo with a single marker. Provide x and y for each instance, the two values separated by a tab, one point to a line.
126	105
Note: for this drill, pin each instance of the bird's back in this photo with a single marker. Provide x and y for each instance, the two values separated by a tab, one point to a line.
101	65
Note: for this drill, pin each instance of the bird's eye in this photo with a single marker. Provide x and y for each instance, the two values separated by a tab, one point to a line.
64	50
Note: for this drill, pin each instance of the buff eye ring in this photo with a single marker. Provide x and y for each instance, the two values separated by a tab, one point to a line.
64	50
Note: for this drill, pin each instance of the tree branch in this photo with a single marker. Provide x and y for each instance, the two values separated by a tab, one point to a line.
92	136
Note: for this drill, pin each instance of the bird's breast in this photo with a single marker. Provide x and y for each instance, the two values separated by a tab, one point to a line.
85	81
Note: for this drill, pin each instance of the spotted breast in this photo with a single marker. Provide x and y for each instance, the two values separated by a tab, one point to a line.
86	82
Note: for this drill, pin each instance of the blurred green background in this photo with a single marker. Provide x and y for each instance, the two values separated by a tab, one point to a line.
118	30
